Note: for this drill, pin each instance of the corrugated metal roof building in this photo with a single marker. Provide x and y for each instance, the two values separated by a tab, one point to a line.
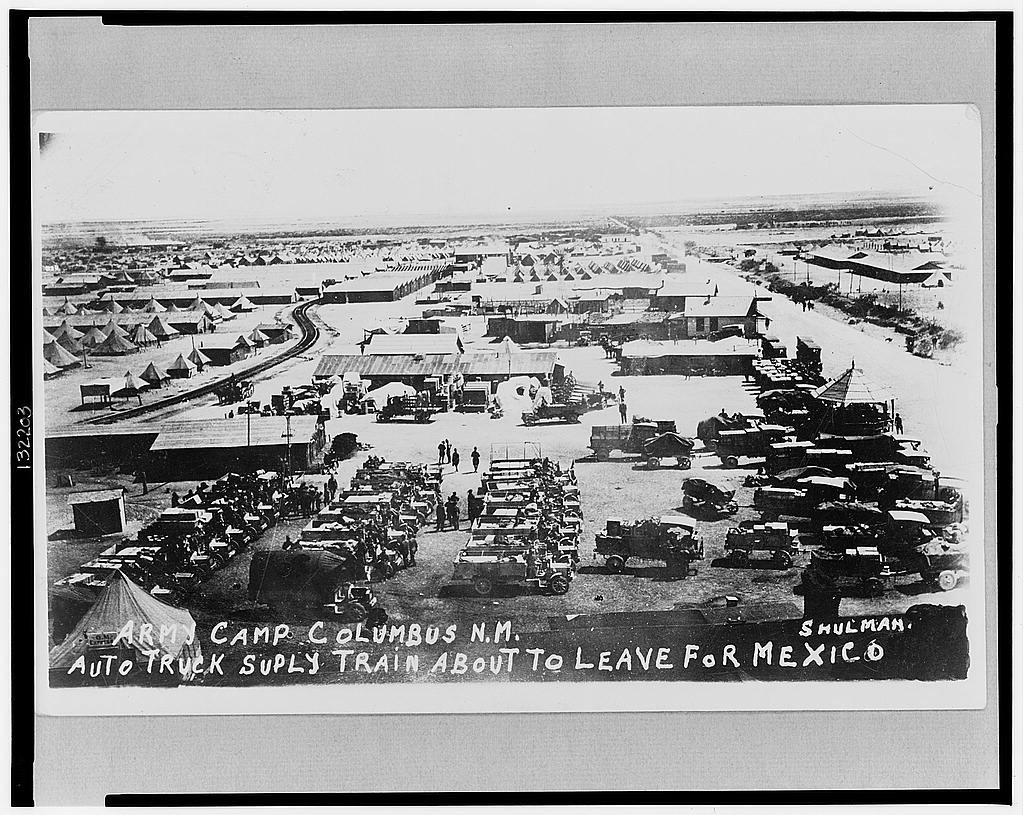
213	447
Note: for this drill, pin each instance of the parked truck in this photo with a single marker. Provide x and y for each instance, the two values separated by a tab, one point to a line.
670	538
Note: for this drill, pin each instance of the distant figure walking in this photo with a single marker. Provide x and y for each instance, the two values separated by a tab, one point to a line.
475	456
455	460
622	394
622	412
898	422
439	516
440	453
470	506
447	451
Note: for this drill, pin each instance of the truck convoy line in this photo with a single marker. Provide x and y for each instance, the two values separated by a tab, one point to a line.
310	336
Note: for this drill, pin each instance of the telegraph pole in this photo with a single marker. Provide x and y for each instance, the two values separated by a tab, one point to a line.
288	437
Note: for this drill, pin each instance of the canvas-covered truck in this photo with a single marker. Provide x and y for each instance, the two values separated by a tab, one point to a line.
776	540
734	447
308	582
671	539
486	567
706	500
652	441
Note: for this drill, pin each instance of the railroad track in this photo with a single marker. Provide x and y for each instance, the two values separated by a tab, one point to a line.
310	335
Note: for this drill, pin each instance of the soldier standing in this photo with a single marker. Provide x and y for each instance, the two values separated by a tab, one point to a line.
475	456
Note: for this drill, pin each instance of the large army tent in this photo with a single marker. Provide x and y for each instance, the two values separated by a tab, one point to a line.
113	328
153	306
143	336
57	355
70	345
181	368
65	329
115	345
93	337
161	330
243	303
133	386
123	602
199	359
154	375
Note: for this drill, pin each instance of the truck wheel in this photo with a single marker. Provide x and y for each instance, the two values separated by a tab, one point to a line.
874	587
615	564
782	559
947	580
482	586
217	562
732	461
653	463
738	555
601	455
352	612
683	462
559	584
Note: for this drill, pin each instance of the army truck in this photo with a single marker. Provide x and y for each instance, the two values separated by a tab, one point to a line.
671	539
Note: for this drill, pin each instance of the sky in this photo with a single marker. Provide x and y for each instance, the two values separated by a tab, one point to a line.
481	163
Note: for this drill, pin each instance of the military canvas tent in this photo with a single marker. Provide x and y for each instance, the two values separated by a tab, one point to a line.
93	337
132	387
143	336
113	328
65	329
154	375
72	346
243	303
120	603
257	338
198	358
115	345
181	368
50	370
223	312
852	388
161	330
48	337
56	354
67	307
153	307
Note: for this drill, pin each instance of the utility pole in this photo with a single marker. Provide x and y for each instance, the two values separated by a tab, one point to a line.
288	437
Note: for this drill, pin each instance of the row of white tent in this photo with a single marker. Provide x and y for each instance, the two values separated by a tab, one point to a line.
154	306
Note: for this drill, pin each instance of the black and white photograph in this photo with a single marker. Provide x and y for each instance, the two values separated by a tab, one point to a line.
521	408
542	395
